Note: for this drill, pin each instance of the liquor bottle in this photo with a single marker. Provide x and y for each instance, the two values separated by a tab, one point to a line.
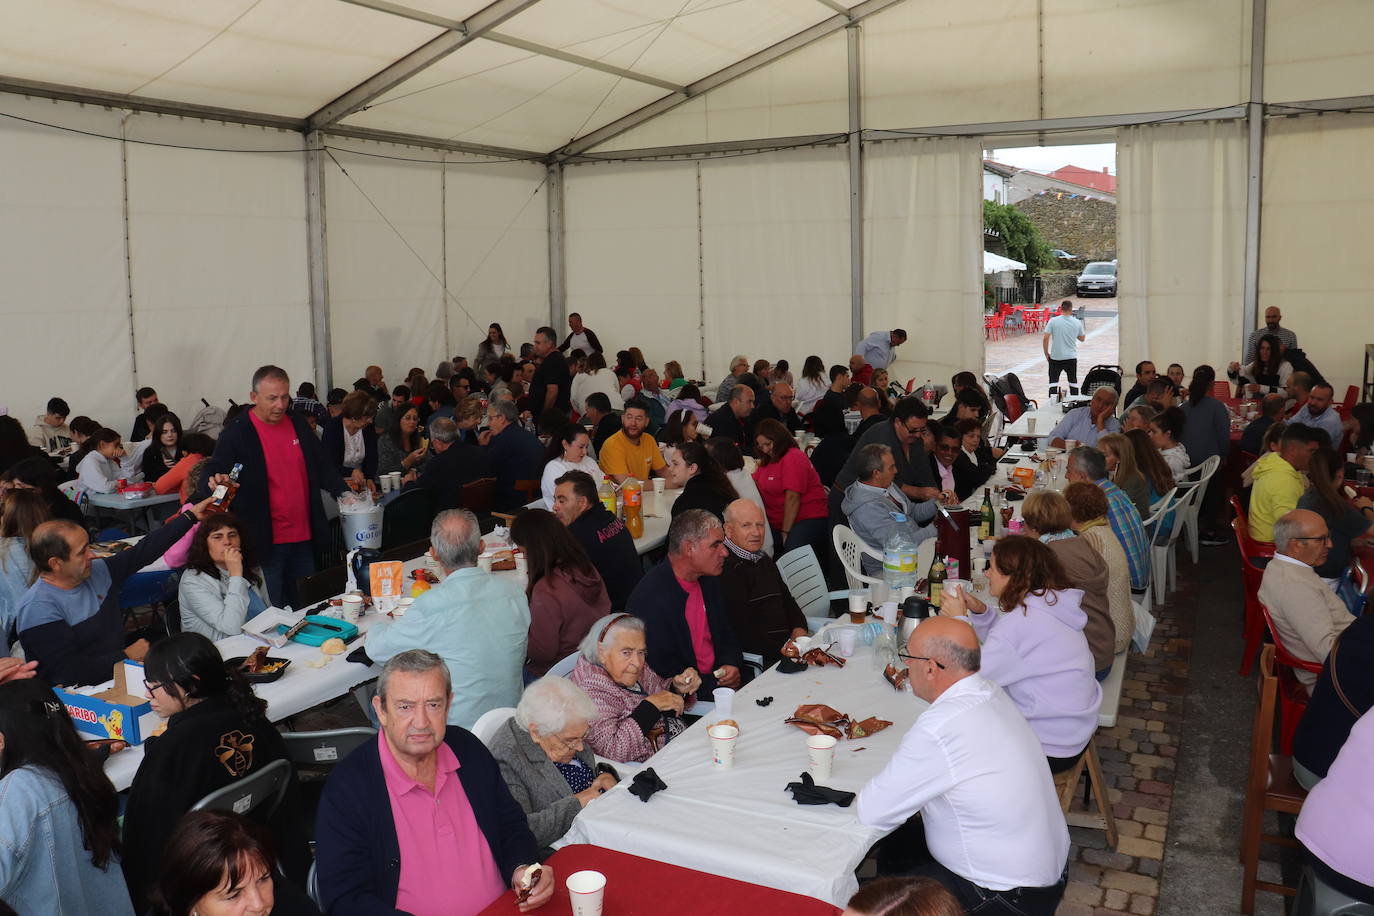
935	579
223	494
988	524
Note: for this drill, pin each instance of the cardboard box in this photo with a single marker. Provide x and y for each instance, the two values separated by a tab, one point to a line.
122	711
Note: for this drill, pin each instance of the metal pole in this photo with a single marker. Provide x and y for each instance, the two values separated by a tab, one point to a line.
449	349
318	261
558	274
1254	171
856	189
128	249
701	279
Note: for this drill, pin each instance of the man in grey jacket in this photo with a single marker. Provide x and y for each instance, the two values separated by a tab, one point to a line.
876	506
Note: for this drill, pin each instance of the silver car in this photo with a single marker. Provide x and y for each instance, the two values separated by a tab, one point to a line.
1098	277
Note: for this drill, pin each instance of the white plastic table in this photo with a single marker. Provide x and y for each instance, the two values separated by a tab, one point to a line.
1046	418
115	502
741	822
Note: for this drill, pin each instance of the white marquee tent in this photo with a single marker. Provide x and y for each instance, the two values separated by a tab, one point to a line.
191	189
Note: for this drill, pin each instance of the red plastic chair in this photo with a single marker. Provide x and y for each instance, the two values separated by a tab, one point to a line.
1221	390
1251	575
1352	397
993	326
1293	695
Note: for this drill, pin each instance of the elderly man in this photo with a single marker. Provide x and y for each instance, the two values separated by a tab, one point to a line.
731	419
976	772
420	821
876	349
1090	422
1063	334
1271	409
1319	414
657	399
1090	465
738	367
1307	615
1272	325
682	605
1137	417
376	385
1279	481
551	383
284	468
1144	374
902	435
476	621
631	452
761	608
600	532
777	407
69	620
454	464
877	508
860	372
514	453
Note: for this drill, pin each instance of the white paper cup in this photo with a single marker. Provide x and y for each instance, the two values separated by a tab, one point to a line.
586	891
847	637
1349	457
1030	425
402	605
725	701
522	564
484	561
659	484
888	613
384	483
352	607
820	751
1071	444
723	745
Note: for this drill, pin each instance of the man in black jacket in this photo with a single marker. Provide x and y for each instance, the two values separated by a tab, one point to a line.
515	454
778	407
605	538
761	608
903	436
731	419
441	780
686	625
284	469
454	464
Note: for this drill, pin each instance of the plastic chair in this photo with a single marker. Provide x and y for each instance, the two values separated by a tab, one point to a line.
1270	786
1162	543
407	518
1202	474
1251	575
850	548
325	748
1221	390
806	581
260	792
1317	898
564	667
1293	695
488	722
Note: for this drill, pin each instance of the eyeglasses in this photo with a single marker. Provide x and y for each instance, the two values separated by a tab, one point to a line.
919	658
1313	537
150	686
572	744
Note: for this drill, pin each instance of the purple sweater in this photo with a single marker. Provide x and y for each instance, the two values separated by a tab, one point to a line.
1038	654
1337	820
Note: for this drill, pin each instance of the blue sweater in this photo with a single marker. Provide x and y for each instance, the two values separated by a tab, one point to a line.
357	856
661	603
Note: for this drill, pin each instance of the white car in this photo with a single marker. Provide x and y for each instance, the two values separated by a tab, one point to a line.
1098	277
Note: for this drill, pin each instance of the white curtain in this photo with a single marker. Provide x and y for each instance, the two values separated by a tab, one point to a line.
1181	238
923	224
1314	263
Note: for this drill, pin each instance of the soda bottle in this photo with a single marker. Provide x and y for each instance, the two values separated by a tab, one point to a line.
633	491
936	581
223	494
606	493
988	523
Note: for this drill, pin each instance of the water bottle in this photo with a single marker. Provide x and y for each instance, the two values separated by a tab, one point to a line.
899	558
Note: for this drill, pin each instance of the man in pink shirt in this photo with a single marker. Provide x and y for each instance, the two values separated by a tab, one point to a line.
421	821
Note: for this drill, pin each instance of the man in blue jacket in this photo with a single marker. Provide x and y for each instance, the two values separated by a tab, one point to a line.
421	821
686	626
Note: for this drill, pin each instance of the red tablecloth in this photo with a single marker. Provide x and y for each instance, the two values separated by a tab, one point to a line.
642	887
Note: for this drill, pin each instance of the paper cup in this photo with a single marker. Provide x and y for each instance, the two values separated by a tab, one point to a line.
586	891
1350	457
384	483
888	613
725	701
846	637
352	607
723	745
522	564
1030	425
820	751
402	605
659	484
484	561
961	584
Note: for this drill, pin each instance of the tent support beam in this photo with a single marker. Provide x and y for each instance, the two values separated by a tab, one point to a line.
316	253
1254	170
558	302
452	146
61	93
856	187
433	51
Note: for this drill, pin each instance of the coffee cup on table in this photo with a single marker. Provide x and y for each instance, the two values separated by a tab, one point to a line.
352	607
1030	425
659	483
858	605
723	738
820	752
846	638
586	892
485	561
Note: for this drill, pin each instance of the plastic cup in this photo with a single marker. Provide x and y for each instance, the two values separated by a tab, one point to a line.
847	637
484	561
879	593
1030	425
586	892
352	608
659	484
888	613
723	739
725	701
820	751
858	605
963	584
402	605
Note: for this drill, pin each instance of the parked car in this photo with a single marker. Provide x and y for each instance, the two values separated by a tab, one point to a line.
1062	255
1098	277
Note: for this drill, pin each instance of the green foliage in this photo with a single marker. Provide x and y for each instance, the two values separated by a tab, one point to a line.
1022	237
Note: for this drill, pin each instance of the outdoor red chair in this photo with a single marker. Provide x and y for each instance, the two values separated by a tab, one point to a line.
1221	390
993	326
1293	695
1352	397
1251	574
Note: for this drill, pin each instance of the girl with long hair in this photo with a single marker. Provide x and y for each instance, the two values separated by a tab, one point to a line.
813	385
1268	373
703	483
97	462
404	446
681	427
492	347
1166	432
23	510
1122	470
566	594
1346	519
164	450
567	451
1159	478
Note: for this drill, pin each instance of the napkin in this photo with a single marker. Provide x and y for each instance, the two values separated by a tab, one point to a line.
807	792
646	783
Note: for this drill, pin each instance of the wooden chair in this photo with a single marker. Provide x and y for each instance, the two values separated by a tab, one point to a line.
1293	696
532	489
1066	784
1270	786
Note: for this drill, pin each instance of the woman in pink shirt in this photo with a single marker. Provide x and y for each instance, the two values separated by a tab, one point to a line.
793	497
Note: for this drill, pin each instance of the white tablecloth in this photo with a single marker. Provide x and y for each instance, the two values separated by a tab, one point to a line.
742	823
1046	418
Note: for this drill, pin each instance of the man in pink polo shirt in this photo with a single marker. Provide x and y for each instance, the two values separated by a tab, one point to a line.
421	821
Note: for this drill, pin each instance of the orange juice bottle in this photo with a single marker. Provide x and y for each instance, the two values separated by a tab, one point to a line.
633	491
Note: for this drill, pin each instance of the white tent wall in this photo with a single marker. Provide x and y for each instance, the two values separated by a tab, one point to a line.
1318	194
217	253
1318	49
1181	235
923	268
64	300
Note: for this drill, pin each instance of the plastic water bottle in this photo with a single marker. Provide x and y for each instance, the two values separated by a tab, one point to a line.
899	558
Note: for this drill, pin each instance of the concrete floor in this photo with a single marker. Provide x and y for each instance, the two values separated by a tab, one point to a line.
1022	353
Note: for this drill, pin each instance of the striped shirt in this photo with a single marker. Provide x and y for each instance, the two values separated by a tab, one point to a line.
1125	522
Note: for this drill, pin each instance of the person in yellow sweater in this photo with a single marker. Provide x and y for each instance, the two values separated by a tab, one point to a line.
1279	479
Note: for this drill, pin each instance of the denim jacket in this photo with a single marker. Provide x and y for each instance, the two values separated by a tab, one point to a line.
44	865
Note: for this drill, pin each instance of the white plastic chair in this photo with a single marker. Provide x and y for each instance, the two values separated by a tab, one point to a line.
1162	565
564	667
1200	476
806	581
850	548
487	723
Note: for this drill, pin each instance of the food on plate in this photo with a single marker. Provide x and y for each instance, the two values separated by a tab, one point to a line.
253	663
502	560
821	658
525	886
334	646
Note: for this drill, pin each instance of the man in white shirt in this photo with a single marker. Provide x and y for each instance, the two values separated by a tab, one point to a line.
1060	343
1307	614
582	337
975	771
876	348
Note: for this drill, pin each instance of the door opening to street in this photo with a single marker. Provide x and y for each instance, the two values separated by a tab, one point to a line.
1049	237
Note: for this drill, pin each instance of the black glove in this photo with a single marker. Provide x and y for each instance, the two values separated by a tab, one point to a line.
646	783
807	792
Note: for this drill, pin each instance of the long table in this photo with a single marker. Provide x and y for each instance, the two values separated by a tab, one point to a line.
741	823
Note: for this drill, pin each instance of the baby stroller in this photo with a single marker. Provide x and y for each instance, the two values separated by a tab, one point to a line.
208	420
999	388
1101	377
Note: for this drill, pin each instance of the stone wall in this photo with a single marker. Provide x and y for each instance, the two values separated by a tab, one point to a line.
1082	227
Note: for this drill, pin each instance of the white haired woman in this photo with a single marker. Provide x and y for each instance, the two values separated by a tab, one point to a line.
545	760
636	710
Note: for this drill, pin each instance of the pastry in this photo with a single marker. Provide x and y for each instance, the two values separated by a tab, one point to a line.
334	646
525	886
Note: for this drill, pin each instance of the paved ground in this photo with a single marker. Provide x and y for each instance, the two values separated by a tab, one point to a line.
1021	353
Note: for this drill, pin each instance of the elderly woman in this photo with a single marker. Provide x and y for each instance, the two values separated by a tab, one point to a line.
636	710
545	760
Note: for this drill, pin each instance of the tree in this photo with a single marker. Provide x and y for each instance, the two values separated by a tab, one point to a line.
1022	237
